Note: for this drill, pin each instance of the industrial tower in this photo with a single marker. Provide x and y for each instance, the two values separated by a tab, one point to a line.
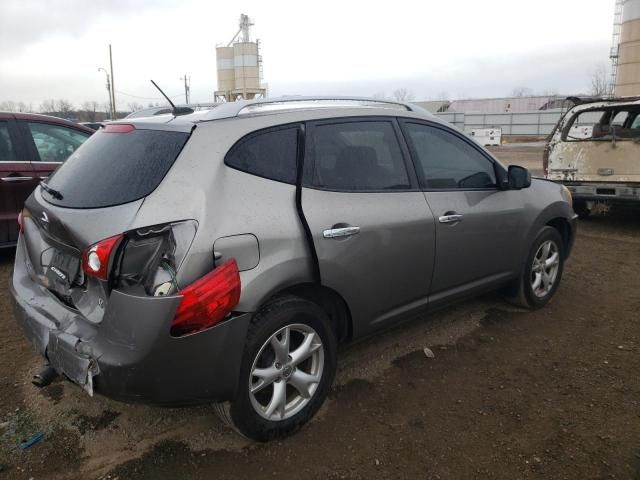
625	51
239	67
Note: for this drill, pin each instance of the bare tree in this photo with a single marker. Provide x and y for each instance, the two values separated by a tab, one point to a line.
90	109
599	81
379	96
65	107
402	95
135	106
48	106
521	92
8	106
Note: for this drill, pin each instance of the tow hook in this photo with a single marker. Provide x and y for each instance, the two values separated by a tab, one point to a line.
43	378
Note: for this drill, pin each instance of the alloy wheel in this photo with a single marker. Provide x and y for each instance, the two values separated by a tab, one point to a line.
286	372
544	270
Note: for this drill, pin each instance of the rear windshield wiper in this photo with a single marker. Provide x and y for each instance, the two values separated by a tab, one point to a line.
51	191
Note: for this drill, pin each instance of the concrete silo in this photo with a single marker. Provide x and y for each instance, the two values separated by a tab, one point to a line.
239	67
628	64
225	68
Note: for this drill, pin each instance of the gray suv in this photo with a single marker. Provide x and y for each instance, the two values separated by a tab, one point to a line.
223	255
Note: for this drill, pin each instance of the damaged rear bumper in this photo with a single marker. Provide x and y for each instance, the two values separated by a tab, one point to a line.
130	355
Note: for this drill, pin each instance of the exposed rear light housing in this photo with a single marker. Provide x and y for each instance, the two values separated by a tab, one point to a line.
208	300
21	222
118	128
96	258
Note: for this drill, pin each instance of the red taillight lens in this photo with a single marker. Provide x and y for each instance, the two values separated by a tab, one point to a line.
95	259
208	300
118	128
21	221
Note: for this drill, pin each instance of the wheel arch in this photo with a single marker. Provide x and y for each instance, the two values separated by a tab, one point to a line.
561	224
326	298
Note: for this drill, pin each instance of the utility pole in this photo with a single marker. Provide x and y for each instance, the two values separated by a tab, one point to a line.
108	90
187	88
113	88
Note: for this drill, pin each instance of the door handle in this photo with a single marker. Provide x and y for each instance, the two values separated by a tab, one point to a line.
450	218
340	232
16	179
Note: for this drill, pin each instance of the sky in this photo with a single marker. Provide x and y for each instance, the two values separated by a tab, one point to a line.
52	49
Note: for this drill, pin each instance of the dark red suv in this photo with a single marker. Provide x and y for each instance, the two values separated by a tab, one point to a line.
31	148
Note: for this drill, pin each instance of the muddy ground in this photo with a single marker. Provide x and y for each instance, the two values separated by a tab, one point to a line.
510	394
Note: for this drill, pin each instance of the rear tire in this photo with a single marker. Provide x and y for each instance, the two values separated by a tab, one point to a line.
287	369
542	272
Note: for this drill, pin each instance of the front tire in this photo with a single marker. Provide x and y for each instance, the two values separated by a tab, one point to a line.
287	369
542	271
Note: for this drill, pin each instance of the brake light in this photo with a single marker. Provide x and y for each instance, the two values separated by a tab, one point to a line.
95	259
208	300
21	222
118	128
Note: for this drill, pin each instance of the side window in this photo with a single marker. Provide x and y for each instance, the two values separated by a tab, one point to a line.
445	161
584	126
270	154
356	156
7	152
55	143
619	118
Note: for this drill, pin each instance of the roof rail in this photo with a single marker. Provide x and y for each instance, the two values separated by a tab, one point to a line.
293	103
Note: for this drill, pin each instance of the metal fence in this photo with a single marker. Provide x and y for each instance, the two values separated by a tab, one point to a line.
525	123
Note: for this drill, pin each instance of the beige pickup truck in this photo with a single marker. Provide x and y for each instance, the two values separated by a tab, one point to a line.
595	151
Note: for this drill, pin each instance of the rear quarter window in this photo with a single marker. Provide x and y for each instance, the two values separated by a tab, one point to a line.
115	168
269	154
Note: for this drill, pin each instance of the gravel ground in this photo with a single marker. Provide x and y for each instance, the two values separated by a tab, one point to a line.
510	394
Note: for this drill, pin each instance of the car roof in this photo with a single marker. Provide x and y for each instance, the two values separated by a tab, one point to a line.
585	104
312	107
36	117
152	111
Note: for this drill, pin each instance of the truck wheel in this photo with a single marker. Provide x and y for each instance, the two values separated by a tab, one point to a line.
581	210
287	370
541	273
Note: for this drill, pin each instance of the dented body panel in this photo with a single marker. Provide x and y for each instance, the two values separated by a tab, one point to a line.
130	355
604	166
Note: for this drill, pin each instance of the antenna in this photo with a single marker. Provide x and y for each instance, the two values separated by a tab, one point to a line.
176	110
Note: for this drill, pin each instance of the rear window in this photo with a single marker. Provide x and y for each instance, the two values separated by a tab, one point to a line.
115	168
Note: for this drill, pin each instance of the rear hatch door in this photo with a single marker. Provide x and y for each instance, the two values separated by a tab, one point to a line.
95	195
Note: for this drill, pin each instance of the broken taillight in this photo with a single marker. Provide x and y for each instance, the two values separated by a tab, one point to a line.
21	222
95	259
208	300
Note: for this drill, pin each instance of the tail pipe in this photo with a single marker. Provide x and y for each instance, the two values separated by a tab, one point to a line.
43	378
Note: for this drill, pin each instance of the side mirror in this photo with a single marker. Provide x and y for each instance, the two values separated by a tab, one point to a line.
519	177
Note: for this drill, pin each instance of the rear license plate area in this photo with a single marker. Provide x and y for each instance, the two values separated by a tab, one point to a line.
61	271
